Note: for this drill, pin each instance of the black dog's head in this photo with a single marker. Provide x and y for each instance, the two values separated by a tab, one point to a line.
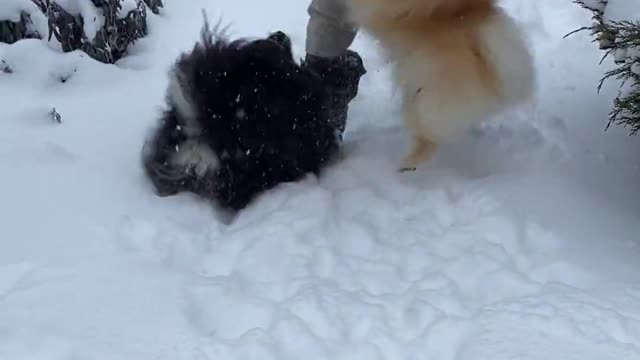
242	117
217	72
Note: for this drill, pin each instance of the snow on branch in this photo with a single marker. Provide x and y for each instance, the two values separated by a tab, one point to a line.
620	37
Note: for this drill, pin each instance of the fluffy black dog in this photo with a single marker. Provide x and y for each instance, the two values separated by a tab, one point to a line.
242	117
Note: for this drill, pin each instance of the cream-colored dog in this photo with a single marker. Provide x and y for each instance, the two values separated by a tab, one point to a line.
455	61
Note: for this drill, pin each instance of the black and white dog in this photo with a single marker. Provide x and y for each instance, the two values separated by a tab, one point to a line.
242	118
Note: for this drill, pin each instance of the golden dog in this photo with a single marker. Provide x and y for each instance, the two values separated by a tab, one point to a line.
455	61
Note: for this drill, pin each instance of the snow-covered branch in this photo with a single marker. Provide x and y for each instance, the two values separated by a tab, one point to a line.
616	27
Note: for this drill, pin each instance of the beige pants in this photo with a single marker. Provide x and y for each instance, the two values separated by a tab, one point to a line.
329	32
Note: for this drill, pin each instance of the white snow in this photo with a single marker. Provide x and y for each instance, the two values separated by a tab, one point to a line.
93	17
617	10
11	9
127	5
518	242
596	4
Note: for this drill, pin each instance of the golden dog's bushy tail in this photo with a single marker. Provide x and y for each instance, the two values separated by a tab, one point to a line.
423	10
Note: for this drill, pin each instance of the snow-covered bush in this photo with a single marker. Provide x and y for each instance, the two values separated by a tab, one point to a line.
103	29
12	31
15	20
616	27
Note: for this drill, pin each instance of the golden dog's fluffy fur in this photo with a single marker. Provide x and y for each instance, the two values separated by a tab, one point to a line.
456	61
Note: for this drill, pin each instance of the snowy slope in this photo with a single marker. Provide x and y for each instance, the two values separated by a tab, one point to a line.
518	242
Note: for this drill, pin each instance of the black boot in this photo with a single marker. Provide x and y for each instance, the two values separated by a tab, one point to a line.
342	76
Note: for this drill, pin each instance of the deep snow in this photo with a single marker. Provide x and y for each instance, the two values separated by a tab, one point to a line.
519	241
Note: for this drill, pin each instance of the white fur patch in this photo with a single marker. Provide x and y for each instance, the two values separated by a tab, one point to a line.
183	103
196	156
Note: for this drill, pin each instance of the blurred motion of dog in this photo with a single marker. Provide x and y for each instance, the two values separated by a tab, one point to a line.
456	62
242	117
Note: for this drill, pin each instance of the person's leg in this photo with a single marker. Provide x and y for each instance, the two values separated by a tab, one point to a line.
329	32
329	36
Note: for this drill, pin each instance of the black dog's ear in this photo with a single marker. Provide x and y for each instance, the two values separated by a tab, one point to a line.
282	39
211	35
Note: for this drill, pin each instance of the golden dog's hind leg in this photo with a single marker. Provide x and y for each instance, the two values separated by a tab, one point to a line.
420	151
421	148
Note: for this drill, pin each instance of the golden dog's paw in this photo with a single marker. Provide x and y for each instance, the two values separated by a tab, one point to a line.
404	169
421	151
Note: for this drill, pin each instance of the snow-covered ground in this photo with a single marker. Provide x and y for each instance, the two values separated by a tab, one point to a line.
520	241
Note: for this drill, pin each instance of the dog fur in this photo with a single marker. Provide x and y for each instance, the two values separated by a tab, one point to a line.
455	61
242	117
